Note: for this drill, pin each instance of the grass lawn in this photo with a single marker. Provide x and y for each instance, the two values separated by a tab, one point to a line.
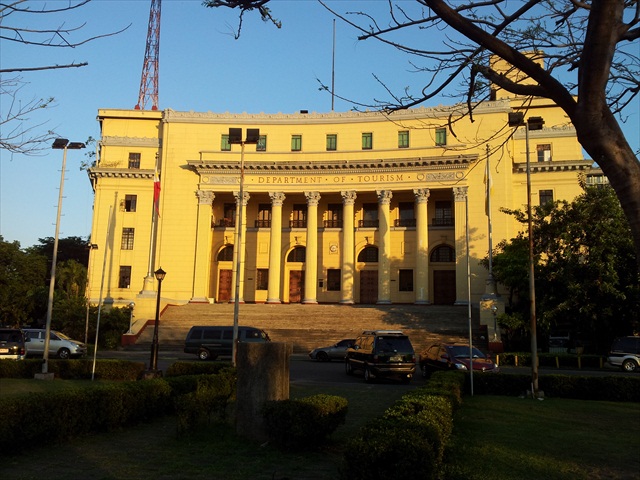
495	438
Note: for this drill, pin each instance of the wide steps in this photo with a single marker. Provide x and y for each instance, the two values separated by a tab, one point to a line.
310	326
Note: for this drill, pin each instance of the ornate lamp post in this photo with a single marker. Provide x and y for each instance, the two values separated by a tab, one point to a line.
131	305
153	363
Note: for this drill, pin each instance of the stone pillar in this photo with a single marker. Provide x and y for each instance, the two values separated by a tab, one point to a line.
240	223
311	256
422	252
275	247
202	260
462	292
348	269
384	252
263	375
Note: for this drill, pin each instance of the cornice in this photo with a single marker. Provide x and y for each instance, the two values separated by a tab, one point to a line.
554	166
557	131
100	172
131	141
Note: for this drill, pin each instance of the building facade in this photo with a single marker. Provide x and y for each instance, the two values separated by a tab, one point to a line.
352	207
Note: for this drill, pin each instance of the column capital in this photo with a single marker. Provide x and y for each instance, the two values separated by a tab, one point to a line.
312	198
245	197
277	198
348	197
421	194
205	197
384	196
460	193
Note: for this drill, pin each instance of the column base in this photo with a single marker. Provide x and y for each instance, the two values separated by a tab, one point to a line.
273	301
347	302
199	300
383	302
422	302
309	302
233	300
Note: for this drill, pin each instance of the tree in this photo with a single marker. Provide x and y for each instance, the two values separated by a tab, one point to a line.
14	21
591	65
69	248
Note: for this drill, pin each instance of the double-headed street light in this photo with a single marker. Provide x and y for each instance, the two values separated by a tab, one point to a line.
153	363
235	137
64	145
533	123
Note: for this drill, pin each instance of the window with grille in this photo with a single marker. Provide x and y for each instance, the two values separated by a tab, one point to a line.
124	277
226	254
368	254
229	219
296	143
546	196
127	238
441	137
333	280
298	254
405	280
130	203
332	142
334	216
406	215
262	279
367	141
443	253
299	216
134	160
444	213
225	146
261	146
403	139
544	152
264	216
369	215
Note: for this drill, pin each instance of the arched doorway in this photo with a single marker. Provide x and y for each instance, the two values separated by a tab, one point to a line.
225	273
444	276
297	258
368	276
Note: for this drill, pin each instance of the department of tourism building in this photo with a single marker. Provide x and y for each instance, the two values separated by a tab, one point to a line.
350	207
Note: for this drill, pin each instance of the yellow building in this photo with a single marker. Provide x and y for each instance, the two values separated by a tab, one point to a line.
351	207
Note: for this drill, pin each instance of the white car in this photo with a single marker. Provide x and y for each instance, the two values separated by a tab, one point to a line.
332	352
60	345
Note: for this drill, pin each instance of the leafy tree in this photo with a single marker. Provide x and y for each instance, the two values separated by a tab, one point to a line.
71	278
69	248
582	55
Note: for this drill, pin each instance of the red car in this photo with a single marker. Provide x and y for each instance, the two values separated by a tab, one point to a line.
454	357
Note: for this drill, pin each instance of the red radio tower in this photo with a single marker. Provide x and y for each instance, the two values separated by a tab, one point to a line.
149	80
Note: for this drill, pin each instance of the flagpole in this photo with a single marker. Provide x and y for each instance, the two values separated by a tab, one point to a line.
490	279
149	280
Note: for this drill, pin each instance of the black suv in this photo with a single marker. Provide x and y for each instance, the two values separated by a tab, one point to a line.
382	354
12	344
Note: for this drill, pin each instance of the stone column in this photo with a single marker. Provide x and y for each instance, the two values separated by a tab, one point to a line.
311	256
462	292
384	252
348	269
422	252
275	247
202	259
240	223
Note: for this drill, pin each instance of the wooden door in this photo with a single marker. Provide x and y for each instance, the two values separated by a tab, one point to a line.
224	285
444	287
368	286
296	286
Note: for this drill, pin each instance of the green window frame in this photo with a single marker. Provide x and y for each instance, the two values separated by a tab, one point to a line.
332	142
441	137
261	146
225	146
403	139
296	143
367	141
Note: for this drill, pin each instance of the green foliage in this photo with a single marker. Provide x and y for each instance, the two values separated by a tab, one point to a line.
304	423
74	369
195	368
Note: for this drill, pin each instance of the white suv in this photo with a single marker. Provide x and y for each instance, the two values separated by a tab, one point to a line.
625	353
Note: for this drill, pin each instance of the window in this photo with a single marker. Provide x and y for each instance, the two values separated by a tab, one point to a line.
130	203
225	146
332	141
226	254
441	137
134	160
367	141
368	254
264	216
406	217
544	152
546	196
369	215
299	216
334	216
443	253
403	139
298	254
405	280
127	238
262	279
124	279
296	143
229	212
333	280
261	146
444	213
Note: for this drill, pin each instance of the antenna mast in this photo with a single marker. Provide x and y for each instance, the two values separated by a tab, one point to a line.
150	72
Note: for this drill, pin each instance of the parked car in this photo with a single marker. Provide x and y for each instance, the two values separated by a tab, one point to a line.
455	357
382	354
209	342
336	351
60	345
12	344
625	353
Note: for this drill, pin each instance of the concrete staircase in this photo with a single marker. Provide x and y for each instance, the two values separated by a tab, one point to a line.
311	326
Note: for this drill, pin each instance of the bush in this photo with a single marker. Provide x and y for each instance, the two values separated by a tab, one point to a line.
76	369
196	368
305	423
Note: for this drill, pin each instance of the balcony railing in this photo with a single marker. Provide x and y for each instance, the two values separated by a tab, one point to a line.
297	223
333	223
368	223
404	222
226	222
442	222
263	223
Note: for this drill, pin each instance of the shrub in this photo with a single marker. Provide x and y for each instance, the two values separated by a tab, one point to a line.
305	423
196	368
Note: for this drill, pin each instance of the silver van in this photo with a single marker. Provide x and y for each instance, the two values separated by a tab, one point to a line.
60	345
208	343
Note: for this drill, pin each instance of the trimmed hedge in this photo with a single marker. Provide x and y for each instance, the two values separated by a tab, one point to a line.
304	423
553	360
196	368
77	369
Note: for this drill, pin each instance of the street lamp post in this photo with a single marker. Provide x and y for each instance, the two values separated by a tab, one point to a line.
235	137
153	363
131	305
64	145
494	311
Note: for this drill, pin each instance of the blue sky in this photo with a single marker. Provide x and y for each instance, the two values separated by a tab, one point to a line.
202	68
